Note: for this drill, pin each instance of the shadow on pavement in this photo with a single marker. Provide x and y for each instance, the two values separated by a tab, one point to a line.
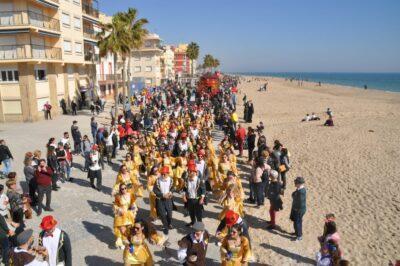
298	258
103	208
101	232
97	261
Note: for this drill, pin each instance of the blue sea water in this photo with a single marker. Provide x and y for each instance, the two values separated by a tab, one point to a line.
378	81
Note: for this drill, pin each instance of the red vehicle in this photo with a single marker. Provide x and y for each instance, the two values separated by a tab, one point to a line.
209	83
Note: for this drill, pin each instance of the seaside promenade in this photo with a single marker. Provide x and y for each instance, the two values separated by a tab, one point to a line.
350	169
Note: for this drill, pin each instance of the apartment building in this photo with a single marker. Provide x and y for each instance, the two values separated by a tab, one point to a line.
167	63
47	53
146	61
182	63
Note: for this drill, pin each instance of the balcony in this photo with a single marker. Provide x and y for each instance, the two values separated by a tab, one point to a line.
28	18
90	57
89	33
29	51
108	77
90	9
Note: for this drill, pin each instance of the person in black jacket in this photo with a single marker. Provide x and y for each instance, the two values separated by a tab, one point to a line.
53	238
194	196
164	205
250	111
298	207
5	232
251	142
76	136
5	157
52	162
274	197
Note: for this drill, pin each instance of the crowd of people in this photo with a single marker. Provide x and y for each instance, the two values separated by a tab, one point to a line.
168	151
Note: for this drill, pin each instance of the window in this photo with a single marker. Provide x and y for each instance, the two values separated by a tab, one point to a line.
9	75
67	46
77	2
138	69
148	58
147	44
40	74
78	48
66	20
77	22
149	69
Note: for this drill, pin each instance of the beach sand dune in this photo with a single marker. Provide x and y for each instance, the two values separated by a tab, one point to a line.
351	169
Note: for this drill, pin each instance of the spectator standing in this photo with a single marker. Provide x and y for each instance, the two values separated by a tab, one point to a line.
298	207
47	110
240	138
43	178
5	157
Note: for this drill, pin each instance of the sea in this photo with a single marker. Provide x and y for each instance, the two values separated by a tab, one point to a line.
377	81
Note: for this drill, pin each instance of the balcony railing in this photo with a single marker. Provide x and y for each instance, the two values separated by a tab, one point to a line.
88	9
92	57
89	33
29	51
104	77
24	18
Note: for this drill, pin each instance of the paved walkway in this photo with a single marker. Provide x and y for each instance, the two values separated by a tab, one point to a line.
85	214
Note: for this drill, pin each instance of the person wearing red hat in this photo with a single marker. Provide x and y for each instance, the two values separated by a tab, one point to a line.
163	189
231	218
56	242
194	195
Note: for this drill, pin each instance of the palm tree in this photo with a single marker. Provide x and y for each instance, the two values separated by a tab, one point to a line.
216	63
192	52
137	34
208	61
114	39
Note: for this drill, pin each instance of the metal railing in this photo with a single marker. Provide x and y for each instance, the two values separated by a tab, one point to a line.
90	10
29	51
27	17
104	77
89	33
92	57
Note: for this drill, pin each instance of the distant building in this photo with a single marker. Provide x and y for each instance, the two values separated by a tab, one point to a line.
146	61
167	63
48	52
182	63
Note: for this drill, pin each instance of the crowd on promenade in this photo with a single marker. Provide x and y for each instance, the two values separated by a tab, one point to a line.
169	143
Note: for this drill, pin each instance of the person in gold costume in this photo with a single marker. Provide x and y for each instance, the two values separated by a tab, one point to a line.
125	212
130	180
235	248
136	252
151	180
231	200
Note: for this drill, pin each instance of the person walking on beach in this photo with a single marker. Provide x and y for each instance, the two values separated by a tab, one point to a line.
273	194
251	142
250	112
298	207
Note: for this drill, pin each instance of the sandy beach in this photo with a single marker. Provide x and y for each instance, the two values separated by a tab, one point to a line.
351	169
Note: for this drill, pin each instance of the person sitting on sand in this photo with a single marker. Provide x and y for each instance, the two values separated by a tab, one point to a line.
306	118
314	117
329	122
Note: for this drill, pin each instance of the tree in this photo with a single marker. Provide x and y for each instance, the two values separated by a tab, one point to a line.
137	34
192	52
114	39
208	61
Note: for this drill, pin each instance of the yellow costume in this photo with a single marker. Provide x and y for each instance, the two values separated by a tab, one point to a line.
234	204
151	180
239	255
141	254
123	215
131	181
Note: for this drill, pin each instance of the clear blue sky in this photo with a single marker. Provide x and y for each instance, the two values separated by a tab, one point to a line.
280	35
